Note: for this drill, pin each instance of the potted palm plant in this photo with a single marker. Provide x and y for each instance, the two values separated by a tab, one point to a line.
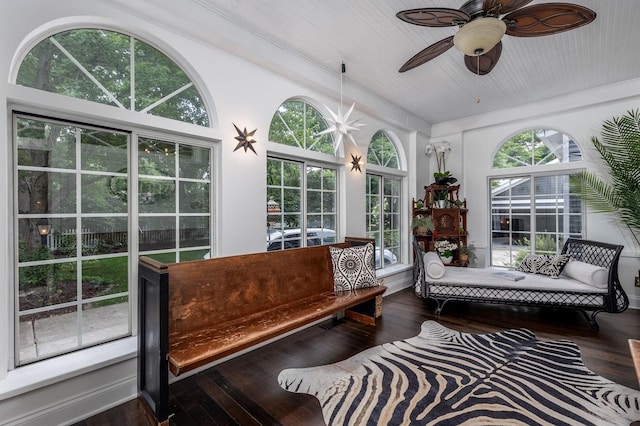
620	151
467	253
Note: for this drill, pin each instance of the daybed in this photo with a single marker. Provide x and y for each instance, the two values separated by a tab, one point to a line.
482	285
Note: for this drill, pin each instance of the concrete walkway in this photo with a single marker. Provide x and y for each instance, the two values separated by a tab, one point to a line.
60	333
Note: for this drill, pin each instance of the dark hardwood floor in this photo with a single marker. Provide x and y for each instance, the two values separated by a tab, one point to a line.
245	391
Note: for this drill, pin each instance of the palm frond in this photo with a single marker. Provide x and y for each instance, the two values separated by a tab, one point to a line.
619	150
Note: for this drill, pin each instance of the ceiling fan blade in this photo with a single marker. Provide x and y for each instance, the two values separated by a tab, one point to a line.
547	19
500	7
436	49
434	16
483	64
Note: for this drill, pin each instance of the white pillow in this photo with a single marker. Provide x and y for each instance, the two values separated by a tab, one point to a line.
433	265
595	276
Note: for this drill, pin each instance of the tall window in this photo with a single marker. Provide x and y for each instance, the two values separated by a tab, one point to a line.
114	69
383	197
73	241
302	204
533	212
302	196
80	190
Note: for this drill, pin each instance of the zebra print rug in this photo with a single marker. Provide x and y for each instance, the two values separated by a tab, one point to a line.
446	377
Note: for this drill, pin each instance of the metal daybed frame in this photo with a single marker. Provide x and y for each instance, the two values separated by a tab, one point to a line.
614	300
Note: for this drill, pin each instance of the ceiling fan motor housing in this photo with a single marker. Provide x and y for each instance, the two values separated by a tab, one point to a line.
479	36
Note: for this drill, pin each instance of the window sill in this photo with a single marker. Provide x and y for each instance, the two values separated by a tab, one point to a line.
44	373
393	269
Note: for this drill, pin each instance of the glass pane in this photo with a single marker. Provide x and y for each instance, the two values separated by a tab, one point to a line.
156	195
41	239
329	222
292	200
156	158
168	257
329	202
314	201
103	151
105	55
194	163
194	255
274	172
292	221
104	235
292	174
55	332
194	197
329	180
46	285
43	144
104	194
156	77
314	178
95	327
296	123
101	277
194	231
157	233
46	192
46	67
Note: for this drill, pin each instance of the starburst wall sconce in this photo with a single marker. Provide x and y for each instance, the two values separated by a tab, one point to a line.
356	162
245	139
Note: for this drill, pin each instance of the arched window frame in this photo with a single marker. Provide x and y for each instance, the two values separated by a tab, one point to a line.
319	222
51	106
385	186
61	26
515	228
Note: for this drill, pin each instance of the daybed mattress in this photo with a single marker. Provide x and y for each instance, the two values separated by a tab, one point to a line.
482	284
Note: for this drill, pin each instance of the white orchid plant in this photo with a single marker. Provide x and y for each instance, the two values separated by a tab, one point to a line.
445	248
441	149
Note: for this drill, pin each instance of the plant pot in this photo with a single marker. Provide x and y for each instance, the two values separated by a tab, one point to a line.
464	259
446	260
440	203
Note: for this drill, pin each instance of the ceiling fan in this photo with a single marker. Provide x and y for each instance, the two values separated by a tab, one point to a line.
481	28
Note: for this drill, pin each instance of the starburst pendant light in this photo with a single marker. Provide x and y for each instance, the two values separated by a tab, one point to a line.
339	124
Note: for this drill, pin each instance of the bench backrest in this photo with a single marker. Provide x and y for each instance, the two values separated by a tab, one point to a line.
212	291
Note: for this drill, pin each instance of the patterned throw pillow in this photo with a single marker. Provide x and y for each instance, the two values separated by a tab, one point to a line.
544	264
353	267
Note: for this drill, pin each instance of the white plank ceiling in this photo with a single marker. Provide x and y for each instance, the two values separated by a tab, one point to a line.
373	44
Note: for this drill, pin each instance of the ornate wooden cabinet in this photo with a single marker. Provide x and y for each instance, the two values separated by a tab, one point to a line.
449	215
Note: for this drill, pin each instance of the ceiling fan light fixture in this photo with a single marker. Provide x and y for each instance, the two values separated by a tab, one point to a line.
479	36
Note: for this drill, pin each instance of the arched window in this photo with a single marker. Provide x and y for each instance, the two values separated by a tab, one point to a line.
533	212
296	123
535	147
302	195
76	184
114	69
384	199
382	151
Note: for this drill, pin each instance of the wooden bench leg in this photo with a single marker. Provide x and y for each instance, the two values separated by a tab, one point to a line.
366	312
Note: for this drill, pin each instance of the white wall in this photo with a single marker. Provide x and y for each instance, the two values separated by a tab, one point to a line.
579	115
72	387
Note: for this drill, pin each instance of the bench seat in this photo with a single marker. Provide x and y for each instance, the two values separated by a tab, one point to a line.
192	350
197	312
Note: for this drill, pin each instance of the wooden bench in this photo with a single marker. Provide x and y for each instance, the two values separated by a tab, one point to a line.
196	312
